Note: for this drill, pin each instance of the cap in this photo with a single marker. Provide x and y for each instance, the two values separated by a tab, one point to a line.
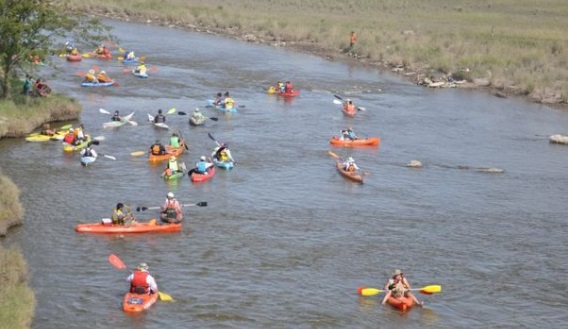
71	130
143	267
116	112
203	158
92	71
173	158
350	159
396	272
103	72
170	195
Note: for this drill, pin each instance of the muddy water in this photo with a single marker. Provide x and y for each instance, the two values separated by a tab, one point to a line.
285	241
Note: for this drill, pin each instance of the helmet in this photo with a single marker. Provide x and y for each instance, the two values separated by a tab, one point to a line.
67	43
173	158
170	195
197	109
203	158
350	159
103	72
71	130
143	267
92	71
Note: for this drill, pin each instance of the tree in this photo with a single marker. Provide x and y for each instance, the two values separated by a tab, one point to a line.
31	27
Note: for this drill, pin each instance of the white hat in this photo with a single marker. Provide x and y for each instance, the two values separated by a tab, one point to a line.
350	159
71	130
170	195
143	267
203	158
197	109
92	71
103	72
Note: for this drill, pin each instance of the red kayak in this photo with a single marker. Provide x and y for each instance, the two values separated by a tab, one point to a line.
74	58
196	177
370	141
403	303
134	303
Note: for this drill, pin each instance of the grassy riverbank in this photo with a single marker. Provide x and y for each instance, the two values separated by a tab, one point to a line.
517	46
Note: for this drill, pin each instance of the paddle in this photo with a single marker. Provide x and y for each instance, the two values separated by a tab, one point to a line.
119	264
213	138
137	153
426	290
183	139
199	204
103	111
342	101
108	156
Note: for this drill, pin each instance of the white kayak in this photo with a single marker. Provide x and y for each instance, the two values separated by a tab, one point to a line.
159	124
114	124
87	160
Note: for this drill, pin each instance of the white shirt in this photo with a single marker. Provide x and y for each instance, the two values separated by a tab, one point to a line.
149	280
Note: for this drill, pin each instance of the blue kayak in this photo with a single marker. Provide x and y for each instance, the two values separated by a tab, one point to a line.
221	107
98	84
130	61
223	164
140	75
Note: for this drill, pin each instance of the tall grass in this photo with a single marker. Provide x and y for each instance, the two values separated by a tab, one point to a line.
17	301
519	41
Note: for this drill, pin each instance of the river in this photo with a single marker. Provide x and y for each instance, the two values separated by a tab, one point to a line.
285	240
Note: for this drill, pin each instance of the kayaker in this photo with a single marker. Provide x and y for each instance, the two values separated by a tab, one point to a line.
46	130
160	118
89	151
281	86
171	210
103	77
350	165
222	153
129	55
74	52
90	77
398	286
197	115
69	46
349	134
116	116
122	216
228	102
202	166
70	138
100	50
348	106
172	167
141	282
288	87
175	140
141	69
157	148
219	99
80	134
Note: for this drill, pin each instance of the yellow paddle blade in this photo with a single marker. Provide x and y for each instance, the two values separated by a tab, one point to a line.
364	291
333	154
165	297
86	55
120	49
120	58
432	289
137	153
172	110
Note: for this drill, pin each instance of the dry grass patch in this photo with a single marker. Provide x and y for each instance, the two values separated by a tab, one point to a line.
17	301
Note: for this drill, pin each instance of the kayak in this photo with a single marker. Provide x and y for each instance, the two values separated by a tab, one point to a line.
74	58
403	303
97	84
197	178
37	137
222	108
222	164
130	61
134	303
146	227
176	175
140	75
292	93
354	176
79	147
157	124
114	124
197	122
87	160
349	114
104	57
175	151
371	141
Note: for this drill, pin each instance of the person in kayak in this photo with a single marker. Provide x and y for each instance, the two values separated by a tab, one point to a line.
175	141
89	151
100	50
218	99
141	69
348	106
172	167
197	115
350	165
80	134
122	215
103	77
129	55
160	118
172	212
46	130
141	282
70	138
281	86
228	102
201	167
398	286
90	77
116	116
69	46
157	148
222	153
288	87
348	134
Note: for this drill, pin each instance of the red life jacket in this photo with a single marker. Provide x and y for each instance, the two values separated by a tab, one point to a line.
139	281
69	138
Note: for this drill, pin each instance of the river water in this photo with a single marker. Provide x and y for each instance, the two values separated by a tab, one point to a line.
285	240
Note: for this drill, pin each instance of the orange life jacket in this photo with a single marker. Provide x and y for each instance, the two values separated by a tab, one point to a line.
139	281
69	138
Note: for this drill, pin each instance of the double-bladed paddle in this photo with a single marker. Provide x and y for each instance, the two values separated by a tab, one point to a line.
199	204
342	101
211	118
426	290
119	264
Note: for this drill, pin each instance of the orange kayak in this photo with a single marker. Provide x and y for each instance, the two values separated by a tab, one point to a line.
351	175
403	303
175	151
371	141
99	228
134	303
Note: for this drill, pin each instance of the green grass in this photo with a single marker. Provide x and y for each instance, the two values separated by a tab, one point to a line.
523	42
17	301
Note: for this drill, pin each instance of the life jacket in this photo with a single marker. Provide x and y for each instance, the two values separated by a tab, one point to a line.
223	156
138	284
106	52
156	149
174	141
76	132
393	283
351	167
130	55
116	117
172	209
90	77
69	138
173	166
202	166
88	152
74	52
229	103
103	77
117	217
141	69
159	118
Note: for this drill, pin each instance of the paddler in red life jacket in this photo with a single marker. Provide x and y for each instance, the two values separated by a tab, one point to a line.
141	282
70	138
172	212
398	286
349	107
289	87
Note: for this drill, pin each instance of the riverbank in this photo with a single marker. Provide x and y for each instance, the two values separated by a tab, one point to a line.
472	44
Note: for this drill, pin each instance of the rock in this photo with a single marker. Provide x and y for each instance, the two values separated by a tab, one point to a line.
482	82
500	94
414	164
558	139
